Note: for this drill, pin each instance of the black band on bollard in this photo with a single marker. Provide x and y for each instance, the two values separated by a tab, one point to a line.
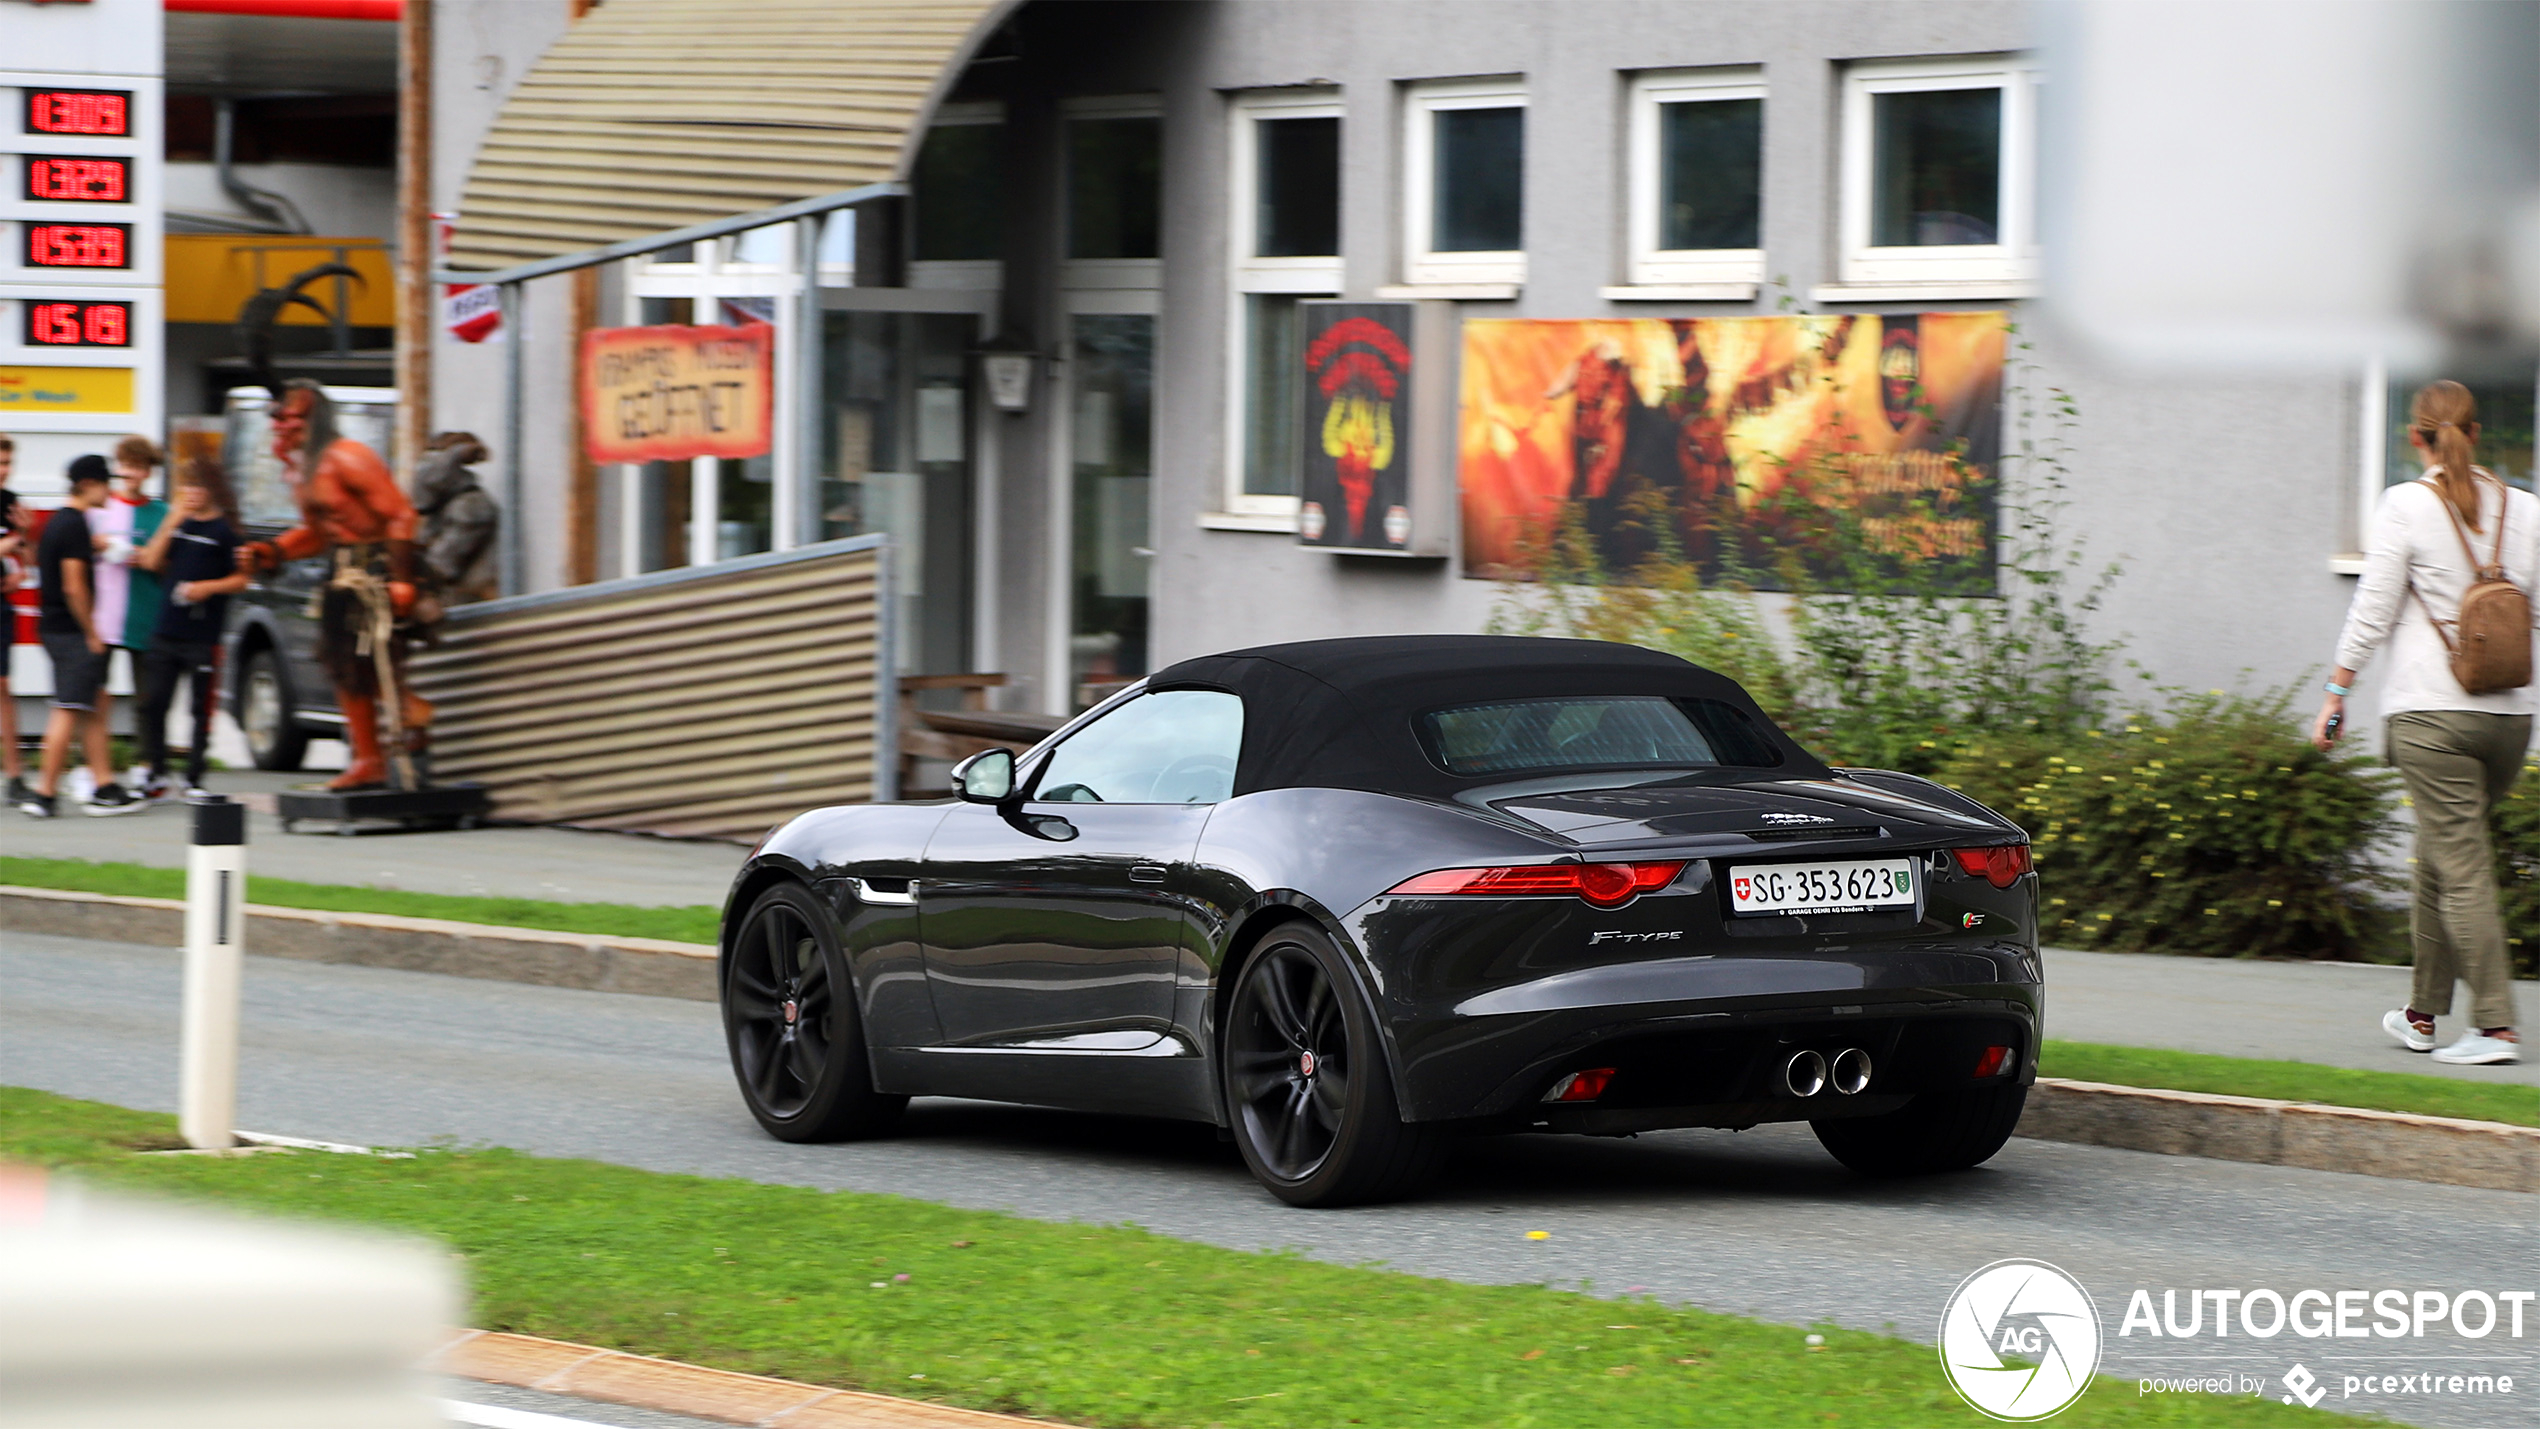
219	821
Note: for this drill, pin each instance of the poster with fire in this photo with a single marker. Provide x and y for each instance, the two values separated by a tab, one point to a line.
1357	437
1843	451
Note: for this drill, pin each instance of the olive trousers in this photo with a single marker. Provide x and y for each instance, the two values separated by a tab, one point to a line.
2457	764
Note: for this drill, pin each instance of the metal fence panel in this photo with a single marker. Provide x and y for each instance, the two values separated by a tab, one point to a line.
709	702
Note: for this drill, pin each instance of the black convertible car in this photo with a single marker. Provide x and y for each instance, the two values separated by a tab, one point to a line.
1346	898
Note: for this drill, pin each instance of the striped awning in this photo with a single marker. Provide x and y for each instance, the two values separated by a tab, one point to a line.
651	115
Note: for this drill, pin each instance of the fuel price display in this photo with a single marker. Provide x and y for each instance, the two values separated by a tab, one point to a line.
78	245
66	323
58	178
79	111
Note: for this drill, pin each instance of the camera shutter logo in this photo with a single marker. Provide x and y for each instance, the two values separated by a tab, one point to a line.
2025	1309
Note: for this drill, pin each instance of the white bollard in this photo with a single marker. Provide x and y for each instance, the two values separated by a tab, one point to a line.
215	928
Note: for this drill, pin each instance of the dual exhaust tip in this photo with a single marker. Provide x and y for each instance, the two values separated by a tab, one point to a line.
1809	1072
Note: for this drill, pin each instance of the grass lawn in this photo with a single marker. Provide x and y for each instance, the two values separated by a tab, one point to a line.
1106	1325
2292	1081
683	925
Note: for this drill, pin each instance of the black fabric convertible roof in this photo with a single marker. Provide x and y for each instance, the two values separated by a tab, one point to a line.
1339	714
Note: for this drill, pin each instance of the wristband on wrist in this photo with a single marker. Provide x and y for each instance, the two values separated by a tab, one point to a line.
2341	691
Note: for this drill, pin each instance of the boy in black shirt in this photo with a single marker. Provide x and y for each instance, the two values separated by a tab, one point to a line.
66	563
195	553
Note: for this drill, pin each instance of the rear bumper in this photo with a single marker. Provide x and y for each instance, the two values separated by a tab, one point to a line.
1701	1041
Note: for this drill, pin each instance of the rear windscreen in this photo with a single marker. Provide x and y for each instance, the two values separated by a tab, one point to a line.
1593	732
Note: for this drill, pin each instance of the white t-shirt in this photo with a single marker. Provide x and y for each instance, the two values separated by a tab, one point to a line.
113	520
2413	540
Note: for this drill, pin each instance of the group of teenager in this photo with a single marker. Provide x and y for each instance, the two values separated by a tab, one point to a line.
116	568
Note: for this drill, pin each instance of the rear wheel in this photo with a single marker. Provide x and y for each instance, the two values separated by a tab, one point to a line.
1937	1131
1306	1083
266	713
789	1017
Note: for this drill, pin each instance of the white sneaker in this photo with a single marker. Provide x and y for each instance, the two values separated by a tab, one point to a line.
2396	1023
2476	1049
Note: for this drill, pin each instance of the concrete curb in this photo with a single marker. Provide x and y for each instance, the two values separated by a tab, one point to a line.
2444	1150
670	1387
653	967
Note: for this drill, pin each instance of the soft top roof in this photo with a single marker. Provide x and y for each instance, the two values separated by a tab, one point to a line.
1339	714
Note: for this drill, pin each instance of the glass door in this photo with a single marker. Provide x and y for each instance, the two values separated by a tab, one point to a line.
896	457
1111	480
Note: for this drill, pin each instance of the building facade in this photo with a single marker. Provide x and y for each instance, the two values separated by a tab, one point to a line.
1137	203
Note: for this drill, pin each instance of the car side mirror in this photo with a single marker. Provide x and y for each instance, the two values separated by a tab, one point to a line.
986	777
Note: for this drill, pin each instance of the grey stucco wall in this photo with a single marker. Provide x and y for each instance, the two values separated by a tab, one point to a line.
481	51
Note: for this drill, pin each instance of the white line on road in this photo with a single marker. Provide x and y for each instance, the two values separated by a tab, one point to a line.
494	1416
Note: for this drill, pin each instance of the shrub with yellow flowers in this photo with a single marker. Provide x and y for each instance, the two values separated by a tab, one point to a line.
2211	827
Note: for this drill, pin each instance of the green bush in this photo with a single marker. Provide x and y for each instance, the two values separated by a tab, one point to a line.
2213	829
2515	822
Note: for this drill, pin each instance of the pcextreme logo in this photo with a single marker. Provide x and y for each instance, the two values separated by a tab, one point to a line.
2023	1309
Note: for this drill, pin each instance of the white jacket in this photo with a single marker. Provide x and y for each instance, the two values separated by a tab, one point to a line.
2412	539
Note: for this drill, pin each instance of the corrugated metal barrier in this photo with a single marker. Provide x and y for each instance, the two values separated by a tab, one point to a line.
713	701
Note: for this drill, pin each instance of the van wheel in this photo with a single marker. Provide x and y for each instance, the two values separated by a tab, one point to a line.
266	713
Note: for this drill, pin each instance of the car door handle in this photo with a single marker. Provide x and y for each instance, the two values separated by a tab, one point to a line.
1146	873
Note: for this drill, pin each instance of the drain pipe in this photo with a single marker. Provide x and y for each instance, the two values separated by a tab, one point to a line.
272	207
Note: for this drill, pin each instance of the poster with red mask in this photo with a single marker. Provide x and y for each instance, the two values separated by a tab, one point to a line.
1835	451
1357	439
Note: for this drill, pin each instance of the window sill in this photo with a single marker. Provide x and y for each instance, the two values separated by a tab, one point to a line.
1922	292
1680	292
1274	522
2346	565
1465	292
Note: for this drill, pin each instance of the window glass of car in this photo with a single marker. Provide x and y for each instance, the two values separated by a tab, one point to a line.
1168	747
1593	732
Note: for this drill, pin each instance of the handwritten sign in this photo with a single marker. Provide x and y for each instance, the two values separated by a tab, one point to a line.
671	393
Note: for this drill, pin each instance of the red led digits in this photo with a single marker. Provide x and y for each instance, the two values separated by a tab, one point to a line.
69	324
78	245
79	111
57	179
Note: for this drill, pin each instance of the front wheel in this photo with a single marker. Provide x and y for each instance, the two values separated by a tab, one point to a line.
789	1017
1306	1084
266	714
1937	1131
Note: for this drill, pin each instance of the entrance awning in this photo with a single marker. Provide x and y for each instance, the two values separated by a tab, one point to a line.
652	115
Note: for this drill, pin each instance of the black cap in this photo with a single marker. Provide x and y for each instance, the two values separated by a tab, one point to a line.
88	466
218	821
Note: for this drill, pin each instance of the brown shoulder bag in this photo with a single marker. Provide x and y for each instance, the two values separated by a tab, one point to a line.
2492	650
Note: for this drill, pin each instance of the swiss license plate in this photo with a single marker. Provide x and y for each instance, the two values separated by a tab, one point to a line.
1852	885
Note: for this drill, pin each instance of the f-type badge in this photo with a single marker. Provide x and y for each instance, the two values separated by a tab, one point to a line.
1609	935
1796	819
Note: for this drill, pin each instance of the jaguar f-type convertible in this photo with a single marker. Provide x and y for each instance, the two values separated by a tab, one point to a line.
1346	899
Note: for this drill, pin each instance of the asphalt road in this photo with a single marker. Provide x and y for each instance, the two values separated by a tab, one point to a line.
1761	1222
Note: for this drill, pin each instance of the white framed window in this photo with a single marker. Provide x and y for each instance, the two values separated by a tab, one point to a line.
1283	246
1464	193
2508	416
957	203
1695	199
1939	177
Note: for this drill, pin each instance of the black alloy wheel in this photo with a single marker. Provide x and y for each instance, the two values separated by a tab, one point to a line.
789	1017
1936	1131
1306	1084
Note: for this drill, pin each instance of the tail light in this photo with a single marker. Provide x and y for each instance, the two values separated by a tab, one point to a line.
1606	885
1991	1062
1584	1086
2000	864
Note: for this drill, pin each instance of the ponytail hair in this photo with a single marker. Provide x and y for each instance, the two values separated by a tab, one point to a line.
2445	417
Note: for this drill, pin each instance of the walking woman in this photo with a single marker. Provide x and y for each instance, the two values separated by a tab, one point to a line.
2457	752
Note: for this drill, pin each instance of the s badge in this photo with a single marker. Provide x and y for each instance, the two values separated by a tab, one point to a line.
1971	920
